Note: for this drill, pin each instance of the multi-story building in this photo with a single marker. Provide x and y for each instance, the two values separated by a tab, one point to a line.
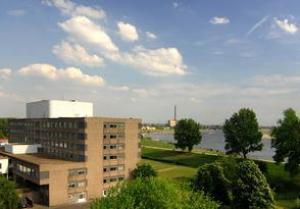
77	159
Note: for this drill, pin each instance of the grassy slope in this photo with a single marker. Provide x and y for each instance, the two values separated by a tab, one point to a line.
183	166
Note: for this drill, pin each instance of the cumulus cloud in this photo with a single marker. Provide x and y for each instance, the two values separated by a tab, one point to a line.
5	73
219	20
151	35
158	62
77	55
175	4
127	31
16	12
87	31
70	8
52	73
286	26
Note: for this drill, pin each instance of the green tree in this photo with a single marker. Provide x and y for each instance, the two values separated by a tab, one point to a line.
144	171
3	127
286	141
250	189
242	133
152	193
210	178
187	134
8	195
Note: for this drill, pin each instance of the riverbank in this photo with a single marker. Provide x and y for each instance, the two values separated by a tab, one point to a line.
182	166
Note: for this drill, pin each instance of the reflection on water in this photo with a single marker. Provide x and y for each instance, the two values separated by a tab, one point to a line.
214	139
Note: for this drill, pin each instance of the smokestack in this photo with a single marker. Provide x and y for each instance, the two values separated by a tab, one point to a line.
175	113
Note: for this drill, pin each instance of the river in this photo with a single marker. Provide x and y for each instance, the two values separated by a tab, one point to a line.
214	139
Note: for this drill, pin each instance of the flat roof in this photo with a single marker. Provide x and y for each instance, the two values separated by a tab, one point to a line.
37	159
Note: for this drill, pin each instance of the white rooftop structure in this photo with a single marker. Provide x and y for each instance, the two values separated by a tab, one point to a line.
58	108
22	148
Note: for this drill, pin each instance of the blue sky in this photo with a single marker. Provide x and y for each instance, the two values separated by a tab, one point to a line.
138	58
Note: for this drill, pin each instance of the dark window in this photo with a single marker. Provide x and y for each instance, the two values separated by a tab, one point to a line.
81	136
112	157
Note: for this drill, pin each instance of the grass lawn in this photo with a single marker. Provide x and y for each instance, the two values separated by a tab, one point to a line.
183	166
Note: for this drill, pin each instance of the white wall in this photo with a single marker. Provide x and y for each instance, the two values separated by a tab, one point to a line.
58	108
4	165
22	148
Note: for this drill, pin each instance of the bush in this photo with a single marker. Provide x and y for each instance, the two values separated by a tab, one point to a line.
144	171
210	178
152	193
250	189
8	195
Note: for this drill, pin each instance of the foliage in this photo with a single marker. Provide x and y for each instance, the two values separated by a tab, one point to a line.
8	195
210	178
3	128
198	200
151	193
286	141
242	133
187	134
144	171
250	189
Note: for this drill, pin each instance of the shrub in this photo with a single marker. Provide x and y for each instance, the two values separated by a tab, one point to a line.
152	193
210	178
144	171
250	189
8	195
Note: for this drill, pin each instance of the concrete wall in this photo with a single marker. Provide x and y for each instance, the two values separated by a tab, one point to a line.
4	165
57	108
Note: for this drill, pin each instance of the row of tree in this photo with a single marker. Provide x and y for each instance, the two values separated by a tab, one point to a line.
242	135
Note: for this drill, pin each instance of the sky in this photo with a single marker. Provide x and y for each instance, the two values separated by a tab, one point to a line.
135	58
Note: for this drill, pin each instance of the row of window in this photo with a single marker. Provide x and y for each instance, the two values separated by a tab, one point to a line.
62	154
113	168
77	184
113	157
114	146
114	136
113	179
77	171
75	197
114	125
26	170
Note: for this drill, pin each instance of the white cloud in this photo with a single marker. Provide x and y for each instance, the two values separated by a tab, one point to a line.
151	35
128	32
70	8
119	88
158	62
77	55
86	31
52	73
286	26
16	12
5	73
219	21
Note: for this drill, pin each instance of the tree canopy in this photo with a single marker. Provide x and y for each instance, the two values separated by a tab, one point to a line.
187	134
8	195
210	178
152	193
242	133
3	127
286	141
250	189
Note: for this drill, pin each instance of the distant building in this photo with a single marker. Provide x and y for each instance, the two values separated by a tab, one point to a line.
58	109
172	123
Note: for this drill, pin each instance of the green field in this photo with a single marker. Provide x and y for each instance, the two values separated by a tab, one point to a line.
182	166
